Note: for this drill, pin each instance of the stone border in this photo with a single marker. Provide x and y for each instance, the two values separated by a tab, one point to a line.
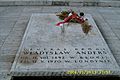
98	3
43	73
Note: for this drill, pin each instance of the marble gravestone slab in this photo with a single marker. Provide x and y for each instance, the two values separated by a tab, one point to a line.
45	50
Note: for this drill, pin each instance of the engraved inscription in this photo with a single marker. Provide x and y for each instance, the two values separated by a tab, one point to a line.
28	57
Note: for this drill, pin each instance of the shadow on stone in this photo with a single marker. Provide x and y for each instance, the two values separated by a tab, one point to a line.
67	78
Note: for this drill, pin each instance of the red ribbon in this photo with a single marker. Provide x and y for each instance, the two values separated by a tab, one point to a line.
73	16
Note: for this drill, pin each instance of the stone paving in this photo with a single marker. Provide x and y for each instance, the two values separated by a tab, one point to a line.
14	19
100	3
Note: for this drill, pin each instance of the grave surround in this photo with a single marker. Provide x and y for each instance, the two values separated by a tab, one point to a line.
45	51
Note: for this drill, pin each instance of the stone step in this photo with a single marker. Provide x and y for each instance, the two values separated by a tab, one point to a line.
100	3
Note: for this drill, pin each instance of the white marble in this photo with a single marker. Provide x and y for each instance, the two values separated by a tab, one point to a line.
44	38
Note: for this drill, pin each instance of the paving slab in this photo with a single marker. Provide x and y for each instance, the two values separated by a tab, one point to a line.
103	3
5	66
33	9
51	9
12	11
2	9
4	76
7	58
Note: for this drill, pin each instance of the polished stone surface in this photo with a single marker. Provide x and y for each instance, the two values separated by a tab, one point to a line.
45	48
